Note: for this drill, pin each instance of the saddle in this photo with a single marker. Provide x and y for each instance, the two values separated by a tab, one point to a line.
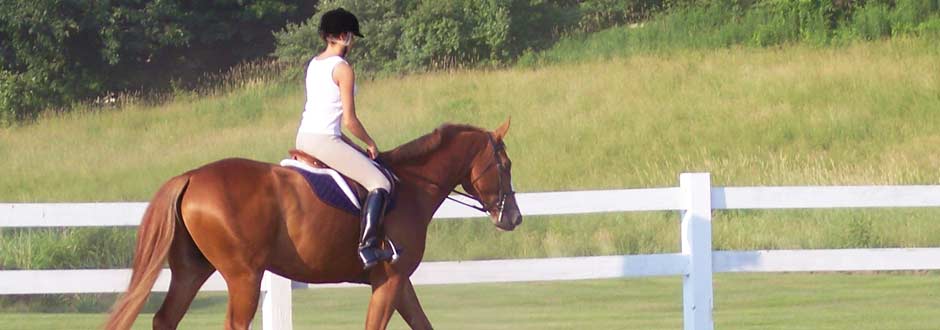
332	187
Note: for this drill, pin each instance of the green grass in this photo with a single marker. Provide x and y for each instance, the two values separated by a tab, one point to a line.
742	301
864	113
861	114
66	249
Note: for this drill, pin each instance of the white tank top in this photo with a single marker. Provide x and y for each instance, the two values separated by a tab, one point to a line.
323	111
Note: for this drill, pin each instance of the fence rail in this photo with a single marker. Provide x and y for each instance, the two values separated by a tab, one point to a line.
695	199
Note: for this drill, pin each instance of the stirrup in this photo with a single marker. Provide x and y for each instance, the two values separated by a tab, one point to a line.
379	254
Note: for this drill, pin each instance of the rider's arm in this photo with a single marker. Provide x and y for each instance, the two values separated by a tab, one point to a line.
346	79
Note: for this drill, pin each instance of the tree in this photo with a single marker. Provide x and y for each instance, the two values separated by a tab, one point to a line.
57	52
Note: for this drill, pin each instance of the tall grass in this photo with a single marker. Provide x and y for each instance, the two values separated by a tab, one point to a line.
72	249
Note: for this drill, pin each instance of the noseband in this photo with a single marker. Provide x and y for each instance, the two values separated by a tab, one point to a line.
503	195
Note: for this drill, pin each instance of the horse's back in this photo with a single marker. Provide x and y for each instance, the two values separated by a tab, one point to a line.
232	189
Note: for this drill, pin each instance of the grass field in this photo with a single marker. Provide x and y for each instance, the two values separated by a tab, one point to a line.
864	113
742	301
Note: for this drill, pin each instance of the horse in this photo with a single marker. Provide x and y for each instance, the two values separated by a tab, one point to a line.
241	217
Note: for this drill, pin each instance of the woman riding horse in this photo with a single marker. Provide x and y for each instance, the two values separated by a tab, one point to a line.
241	217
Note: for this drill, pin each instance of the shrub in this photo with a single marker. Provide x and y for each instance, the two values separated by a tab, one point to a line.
909	15
410	35
9	97
441	34
596	15
872	22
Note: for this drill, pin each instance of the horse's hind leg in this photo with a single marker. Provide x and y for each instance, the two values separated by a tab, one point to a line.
244	289
190	269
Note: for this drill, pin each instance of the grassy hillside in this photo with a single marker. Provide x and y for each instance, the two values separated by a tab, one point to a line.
799	115
862	114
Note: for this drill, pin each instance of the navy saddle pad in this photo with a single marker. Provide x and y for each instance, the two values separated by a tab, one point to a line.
331	187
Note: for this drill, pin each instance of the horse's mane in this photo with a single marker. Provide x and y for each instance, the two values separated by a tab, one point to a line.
426	144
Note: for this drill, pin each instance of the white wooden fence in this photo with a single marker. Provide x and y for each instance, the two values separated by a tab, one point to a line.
695	198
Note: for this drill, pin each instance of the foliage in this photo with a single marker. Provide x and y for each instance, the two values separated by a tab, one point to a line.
13	94
444	34
410	35
58	52
596	15
729	23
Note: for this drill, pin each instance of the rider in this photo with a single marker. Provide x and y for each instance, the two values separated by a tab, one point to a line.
330	106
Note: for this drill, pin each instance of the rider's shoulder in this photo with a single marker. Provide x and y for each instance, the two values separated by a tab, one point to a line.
343	69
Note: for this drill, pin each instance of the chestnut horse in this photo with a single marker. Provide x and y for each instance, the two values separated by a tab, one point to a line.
241	217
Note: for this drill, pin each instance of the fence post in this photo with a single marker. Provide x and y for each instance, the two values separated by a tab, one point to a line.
697	294
276	306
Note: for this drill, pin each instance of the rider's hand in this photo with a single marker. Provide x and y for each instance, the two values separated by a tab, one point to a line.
373	151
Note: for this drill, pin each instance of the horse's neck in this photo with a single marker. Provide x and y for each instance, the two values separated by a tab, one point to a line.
440	172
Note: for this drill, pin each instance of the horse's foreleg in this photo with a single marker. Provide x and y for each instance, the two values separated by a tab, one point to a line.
244	289
386	286
410	309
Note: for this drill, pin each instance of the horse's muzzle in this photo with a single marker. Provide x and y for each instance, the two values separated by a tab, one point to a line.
509	217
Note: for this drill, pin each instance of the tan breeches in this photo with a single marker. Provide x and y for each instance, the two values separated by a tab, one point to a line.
334	152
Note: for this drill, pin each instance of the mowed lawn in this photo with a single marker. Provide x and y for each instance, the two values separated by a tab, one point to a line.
742	301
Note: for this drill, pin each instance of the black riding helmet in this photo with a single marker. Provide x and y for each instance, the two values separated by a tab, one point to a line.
338	21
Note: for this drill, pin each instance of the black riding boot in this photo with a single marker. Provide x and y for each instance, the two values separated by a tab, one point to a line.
371	232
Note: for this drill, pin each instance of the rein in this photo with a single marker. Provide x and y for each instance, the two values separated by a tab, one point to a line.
461	193
458	192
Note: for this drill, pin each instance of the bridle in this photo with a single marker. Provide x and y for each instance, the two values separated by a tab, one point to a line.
503	195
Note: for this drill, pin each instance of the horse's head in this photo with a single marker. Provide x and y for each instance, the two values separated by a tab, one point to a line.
490	181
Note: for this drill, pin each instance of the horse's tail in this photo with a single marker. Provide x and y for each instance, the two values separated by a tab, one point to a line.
153	245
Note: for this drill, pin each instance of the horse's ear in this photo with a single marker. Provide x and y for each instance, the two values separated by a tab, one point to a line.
502	130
